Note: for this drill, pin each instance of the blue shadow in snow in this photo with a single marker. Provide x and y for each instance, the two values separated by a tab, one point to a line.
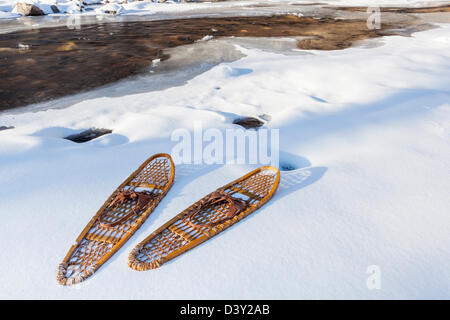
237	72
403	104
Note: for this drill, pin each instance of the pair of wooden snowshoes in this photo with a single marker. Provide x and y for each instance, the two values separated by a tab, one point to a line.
135	199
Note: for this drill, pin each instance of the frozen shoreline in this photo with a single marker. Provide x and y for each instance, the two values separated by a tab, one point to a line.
29	76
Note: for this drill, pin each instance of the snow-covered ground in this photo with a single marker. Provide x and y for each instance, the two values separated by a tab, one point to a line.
134	7
367	129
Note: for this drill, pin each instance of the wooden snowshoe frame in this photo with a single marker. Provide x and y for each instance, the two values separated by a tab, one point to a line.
118	219
211	216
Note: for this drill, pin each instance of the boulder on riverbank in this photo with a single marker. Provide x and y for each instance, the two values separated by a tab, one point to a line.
28	9
54	8
36	8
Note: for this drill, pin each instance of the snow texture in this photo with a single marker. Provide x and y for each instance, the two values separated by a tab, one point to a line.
364	138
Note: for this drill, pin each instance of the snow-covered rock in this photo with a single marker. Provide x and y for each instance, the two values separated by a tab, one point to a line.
28	9
116	1
110	8
71	7
91	2
45	7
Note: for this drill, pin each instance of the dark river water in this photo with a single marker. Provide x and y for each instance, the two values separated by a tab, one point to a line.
42	64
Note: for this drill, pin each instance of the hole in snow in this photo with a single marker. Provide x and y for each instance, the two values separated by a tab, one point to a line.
248	122
290	161
287	167
6	127
87	135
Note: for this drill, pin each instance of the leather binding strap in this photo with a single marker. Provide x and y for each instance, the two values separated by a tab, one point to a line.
235	206
143	199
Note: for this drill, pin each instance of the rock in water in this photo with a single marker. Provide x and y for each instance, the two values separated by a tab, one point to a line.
248	122
54	8
87	135
28	9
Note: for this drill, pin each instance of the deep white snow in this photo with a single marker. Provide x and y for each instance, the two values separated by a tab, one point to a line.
367	130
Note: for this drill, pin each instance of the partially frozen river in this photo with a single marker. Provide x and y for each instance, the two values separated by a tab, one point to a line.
47	58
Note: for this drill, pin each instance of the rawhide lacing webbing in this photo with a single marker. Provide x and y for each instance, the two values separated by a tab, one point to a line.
235	206
143	199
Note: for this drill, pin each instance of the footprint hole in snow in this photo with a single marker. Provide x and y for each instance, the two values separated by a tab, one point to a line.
287	167
291	162
87	135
